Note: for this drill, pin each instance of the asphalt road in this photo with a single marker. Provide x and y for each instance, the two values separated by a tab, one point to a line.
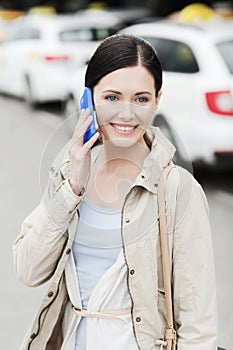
29	142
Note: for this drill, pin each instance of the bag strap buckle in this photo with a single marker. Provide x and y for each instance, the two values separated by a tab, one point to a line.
170	336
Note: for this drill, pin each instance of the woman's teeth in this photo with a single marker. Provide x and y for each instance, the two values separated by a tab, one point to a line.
124	128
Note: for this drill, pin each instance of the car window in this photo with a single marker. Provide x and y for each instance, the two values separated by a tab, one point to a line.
175	56
85	34
102	33
226	50
80	34
26	33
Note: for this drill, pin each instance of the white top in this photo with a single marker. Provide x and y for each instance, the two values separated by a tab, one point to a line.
96	281
96	247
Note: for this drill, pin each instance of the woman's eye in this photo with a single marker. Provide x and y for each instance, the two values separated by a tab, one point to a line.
142	99
111	98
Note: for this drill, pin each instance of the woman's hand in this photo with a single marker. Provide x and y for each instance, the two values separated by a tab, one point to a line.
79	153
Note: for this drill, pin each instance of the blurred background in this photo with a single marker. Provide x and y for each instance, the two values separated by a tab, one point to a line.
44	49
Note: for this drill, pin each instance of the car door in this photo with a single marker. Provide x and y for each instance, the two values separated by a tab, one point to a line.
15	57
180	79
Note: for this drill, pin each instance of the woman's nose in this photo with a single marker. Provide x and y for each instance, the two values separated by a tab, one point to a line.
126	111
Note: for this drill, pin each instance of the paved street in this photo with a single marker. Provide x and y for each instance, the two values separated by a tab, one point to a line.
29	142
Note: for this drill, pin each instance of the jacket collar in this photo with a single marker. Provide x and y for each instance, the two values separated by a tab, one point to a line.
162	152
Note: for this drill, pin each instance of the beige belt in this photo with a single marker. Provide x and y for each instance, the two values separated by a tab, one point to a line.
162	343
111	314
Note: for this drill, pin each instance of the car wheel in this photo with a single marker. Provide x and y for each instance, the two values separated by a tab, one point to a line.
70	113
28	94
167	131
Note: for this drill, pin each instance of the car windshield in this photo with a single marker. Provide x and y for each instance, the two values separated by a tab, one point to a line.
175	56
85	34
226	51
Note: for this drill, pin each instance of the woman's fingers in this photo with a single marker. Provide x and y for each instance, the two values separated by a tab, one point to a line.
79	154
81	124
78	148
87	146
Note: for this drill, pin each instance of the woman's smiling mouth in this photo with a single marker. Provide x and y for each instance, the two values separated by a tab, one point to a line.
124	129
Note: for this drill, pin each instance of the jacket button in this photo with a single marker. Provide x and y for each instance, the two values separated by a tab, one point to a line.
138	319
68	251
33	335
50	294
127	220
52	169
132	272
143	176
156	185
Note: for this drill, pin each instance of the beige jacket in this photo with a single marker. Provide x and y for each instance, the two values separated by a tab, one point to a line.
42	249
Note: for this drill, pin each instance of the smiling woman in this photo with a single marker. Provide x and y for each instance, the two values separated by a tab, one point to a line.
96	232
125	109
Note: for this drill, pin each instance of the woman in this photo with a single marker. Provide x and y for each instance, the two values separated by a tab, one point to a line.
95	233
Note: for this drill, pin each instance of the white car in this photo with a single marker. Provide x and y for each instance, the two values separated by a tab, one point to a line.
43	51
196	108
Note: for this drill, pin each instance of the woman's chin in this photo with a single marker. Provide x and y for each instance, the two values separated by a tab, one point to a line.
123	142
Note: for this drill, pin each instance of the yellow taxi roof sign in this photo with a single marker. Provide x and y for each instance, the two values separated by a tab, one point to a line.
98	5
10	14
43	10
195	12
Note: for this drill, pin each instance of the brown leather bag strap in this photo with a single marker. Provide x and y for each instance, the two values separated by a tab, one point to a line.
170	335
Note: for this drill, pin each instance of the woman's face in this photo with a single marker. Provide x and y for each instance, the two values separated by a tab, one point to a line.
125	101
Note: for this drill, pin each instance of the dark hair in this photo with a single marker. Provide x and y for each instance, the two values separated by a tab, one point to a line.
121	51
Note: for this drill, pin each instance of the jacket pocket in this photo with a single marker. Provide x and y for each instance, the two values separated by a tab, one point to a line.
162	305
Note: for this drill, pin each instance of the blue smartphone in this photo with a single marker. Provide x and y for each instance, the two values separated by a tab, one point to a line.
86	101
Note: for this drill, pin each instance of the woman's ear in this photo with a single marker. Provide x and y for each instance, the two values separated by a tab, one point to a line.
158	98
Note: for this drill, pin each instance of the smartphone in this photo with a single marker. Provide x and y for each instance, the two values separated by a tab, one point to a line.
86	101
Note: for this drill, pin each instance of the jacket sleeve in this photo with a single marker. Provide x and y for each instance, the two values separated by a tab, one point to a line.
44	232
194	290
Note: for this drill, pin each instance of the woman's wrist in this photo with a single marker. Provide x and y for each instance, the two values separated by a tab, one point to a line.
75	188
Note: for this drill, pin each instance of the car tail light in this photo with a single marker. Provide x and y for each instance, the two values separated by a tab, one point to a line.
57	58
220	102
